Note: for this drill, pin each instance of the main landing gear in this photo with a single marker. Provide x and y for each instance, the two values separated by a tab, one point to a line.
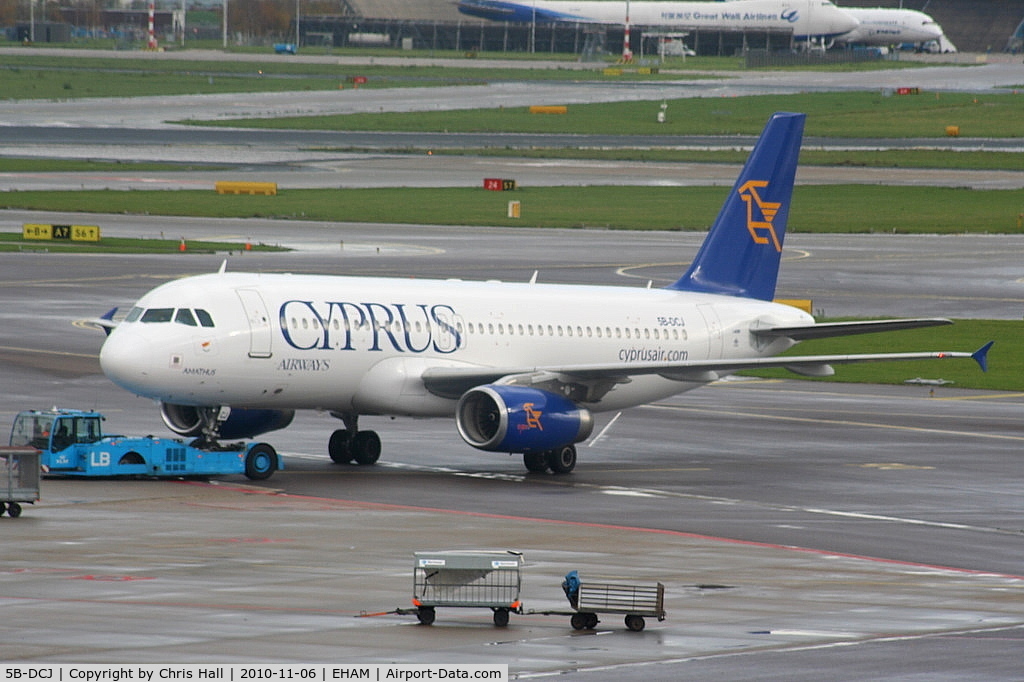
352	445
560	460
363	447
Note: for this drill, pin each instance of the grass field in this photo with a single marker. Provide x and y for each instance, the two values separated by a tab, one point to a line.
816	208
832	114
43	77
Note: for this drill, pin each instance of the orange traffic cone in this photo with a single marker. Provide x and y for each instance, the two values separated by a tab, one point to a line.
181	246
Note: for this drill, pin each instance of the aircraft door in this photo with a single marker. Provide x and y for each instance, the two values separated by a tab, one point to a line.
259	323
714	330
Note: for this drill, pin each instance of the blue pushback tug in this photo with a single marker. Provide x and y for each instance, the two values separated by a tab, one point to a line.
73	444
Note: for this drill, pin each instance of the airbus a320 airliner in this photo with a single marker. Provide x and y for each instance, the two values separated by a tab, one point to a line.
520	366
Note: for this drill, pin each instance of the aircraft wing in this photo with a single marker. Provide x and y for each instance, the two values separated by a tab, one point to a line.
830	329
596	380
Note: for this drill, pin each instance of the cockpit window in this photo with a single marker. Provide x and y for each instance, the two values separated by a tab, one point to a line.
185	316
204	317
158	315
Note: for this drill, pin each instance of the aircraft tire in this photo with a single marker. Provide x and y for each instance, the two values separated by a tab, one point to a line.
260	462
562	460
536	462
365	447
339	447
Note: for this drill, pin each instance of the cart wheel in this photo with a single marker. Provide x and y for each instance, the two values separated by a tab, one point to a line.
500	617
635	623
426	615
260	462
578	621
592	621
14	509
3	508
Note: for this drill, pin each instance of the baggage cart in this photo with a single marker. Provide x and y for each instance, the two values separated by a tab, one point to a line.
19	479
481	579
590	598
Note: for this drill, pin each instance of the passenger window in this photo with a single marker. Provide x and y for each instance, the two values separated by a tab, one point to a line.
204	317
158	315
184	316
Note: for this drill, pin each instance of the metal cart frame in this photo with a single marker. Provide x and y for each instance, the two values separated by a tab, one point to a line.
19	479
589	598
479	579
633	601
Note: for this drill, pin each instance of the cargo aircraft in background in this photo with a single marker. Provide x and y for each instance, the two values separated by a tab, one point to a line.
889	27
818	20
520	366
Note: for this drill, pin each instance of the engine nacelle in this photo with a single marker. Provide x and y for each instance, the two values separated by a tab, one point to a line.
502	418
187	420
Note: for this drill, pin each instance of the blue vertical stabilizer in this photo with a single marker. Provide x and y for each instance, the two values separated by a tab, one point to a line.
741	254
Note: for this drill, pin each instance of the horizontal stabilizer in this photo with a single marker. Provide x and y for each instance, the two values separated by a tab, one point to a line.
827	330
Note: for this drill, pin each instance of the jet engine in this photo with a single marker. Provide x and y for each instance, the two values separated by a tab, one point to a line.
501	418
188	420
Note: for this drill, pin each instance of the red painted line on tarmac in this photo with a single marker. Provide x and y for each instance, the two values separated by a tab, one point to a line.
609	526
111	578
185	605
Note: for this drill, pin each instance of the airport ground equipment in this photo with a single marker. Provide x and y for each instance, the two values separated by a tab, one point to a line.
72	443
482	579
590	598
19	479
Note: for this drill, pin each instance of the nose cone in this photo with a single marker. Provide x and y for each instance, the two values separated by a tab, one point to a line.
842	22
127	360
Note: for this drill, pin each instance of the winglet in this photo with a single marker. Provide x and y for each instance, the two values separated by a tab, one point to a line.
981	356
105	321
741	254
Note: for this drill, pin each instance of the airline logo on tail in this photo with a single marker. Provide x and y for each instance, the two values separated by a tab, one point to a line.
766	209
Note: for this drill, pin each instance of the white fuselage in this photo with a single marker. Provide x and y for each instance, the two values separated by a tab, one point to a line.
882	27
802	17
360	345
